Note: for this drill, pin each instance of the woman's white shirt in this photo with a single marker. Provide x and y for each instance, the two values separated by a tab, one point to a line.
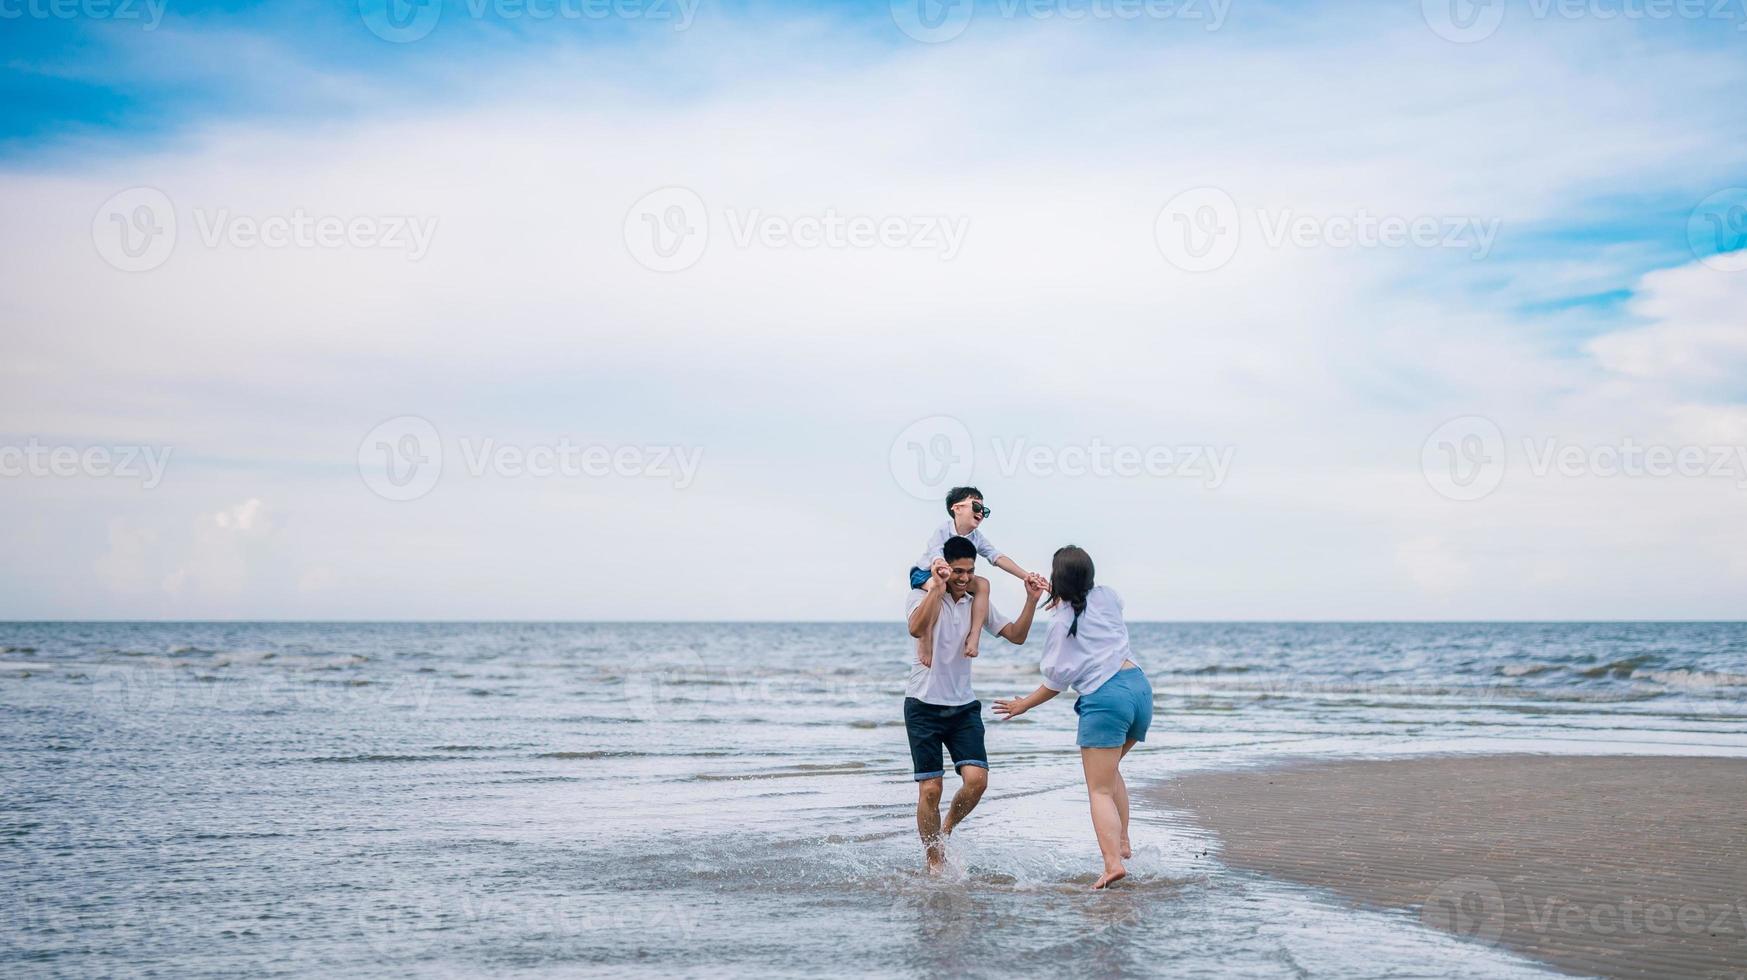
1095	653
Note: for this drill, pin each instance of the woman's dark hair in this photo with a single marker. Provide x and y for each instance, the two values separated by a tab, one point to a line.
1070	580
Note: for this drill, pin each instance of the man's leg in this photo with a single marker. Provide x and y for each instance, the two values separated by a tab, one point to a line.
923	726
928	821
979	612
976	779
964	739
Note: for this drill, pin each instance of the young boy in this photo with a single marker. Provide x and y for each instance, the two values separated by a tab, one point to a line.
964	505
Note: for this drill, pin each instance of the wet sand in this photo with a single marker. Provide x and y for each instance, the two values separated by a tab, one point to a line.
1618	866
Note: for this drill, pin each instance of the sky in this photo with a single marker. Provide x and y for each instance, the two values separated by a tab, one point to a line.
677	309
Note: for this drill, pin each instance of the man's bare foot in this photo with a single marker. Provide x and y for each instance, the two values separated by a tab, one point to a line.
1127	851
1111	877
936	849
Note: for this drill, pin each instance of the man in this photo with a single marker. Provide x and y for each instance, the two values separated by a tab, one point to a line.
939	709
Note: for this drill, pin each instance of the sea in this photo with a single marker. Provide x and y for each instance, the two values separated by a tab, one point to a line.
732	799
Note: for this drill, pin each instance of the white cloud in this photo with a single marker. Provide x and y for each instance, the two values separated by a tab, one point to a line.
1697	331
1059	321
229	556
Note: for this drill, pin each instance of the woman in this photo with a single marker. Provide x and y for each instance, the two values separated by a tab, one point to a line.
1087	650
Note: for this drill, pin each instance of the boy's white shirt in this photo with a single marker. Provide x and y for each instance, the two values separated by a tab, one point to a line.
937	544
948	682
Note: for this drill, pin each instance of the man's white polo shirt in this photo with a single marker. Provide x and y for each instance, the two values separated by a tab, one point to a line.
948	682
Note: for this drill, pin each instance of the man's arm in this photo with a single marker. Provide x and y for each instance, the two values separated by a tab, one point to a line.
922	618
1016	631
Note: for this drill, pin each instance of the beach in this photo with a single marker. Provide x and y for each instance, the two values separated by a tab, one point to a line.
1616	866
675	799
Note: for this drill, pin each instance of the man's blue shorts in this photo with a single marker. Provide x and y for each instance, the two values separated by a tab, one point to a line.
1120	709
959	728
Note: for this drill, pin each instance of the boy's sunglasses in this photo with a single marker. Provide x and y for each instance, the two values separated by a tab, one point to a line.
980	510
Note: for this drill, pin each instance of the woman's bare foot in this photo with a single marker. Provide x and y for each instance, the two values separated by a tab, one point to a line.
1127	851
1111	877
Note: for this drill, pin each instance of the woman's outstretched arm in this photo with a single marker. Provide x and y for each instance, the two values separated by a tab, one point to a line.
1011	708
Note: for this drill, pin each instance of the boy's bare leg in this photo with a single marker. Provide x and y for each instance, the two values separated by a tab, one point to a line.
979	612
928	821
976	779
